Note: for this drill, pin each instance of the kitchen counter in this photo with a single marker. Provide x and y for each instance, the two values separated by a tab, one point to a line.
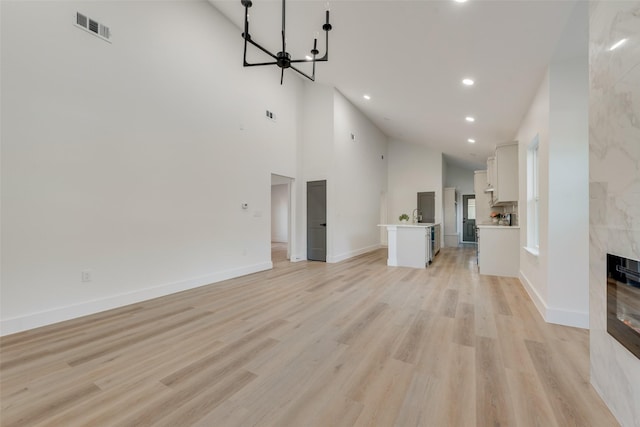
498	250
497	226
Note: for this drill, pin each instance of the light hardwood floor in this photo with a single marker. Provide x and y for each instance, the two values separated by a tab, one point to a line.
311	344
278	252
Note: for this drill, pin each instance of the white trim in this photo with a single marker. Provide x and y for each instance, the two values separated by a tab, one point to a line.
533	294
35	320
533	192
533	251
351	254
577	319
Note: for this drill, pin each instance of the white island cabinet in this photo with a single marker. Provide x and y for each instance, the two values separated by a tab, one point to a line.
410	245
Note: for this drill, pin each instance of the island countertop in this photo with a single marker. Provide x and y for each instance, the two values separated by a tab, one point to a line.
409	224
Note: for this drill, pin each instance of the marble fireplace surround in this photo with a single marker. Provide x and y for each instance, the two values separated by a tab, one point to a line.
614	190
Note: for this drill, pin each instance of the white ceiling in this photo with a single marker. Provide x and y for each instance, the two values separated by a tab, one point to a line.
411	57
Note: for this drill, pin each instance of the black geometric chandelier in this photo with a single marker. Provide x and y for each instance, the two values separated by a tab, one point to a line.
283	59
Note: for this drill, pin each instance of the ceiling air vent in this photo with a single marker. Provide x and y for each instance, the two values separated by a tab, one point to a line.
93	27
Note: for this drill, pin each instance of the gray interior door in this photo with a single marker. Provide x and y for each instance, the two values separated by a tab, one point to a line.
469	218
317	220
427	206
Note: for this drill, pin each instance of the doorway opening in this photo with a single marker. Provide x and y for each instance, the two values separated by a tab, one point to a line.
280	218
469	218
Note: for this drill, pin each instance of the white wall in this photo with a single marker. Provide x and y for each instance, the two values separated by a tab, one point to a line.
568	224
462	180
412	169
315	151
533	268
358	180
559	115
355	171
280	213
113	155
614	215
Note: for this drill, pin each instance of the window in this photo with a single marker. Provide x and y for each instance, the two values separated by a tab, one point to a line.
471	209
533	196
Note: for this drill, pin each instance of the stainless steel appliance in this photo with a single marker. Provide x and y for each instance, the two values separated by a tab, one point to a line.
477	248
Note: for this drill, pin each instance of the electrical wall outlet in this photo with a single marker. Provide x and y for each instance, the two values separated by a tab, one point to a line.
270	115
85	276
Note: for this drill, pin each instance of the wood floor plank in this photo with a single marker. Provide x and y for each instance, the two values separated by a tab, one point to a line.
459	386
423	403
108	407
450	303
494	407
530	402
564	401
310	344
339	411
435	353
385	394
414	338
47	406
465	325
204	402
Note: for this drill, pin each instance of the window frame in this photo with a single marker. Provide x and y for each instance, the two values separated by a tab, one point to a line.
533	196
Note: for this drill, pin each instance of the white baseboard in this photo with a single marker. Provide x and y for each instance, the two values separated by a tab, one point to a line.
577	319
555	315
351	254
60	314
533	294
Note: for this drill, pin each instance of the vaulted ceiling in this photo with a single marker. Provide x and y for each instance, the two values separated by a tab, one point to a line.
410	57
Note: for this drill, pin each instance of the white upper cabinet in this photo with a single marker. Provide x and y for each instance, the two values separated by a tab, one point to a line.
506	174
491	172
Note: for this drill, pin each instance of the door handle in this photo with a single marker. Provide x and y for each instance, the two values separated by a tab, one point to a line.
324	224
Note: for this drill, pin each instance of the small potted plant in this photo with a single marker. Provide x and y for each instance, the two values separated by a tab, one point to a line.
404	217
495	217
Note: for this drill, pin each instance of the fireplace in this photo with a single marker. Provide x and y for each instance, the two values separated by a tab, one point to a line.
623	301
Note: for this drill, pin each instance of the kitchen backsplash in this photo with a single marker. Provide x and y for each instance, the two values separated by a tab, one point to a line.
502	210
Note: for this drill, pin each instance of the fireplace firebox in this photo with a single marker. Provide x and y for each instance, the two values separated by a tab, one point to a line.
623	301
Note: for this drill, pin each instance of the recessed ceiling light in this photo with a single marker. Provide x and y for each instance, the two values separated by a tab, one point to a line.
618	44
308	57
367	97
460	1
471	141
468	82
470	119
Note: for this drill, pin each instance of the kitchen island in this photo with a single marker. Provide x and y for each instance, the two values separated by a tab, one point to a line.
411	244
